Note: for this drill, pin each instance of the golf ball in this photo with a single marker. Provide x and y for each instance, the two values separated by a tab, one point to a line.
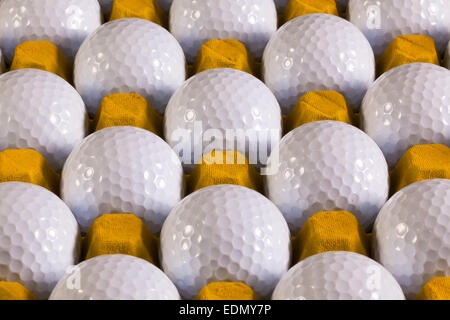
412	234
66	23
129	55
383	21
326	166
338	275
225	233
115	277
122	170
227	105
39	237
407	106
318	52
194	22
41	111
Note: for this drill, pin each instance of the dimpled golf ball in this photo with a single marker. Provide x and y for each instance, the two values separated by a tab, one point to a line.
326	166
225	233
41	111
412	234
226	100
194	22
66	23
383	21
407	106
39	237
122	170
318	52
129	55
338	276
115	277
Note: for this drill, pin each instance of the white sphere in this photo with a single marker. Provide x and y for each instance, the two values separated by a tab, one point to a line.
383	21
115	277
194	22
41	111
326	166
225	100
412	234
129	55
66	23
225	233
122	170
338	275
407	106
318	52
39	237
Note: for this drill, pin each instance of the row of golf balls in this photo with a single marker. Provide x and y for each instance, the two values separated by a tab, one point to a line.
225	233
107	166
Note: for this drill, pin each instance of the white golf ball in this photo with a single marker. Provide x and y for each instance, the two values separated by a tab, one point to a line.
318	52
122	170
225	233
412	234
115	277
383	21
129	55
66	23
407	106
41	111
338	275
39	237
226	106
326	166
194	22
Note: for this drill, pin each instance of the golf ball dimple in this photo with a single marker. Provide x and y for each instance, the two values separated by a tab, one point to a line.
338	275
224	103
194	22
383	21
412	234
39	237
326	166
41	111
225	233
129	55
122	170
407	106
115	277
318	52
66	23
